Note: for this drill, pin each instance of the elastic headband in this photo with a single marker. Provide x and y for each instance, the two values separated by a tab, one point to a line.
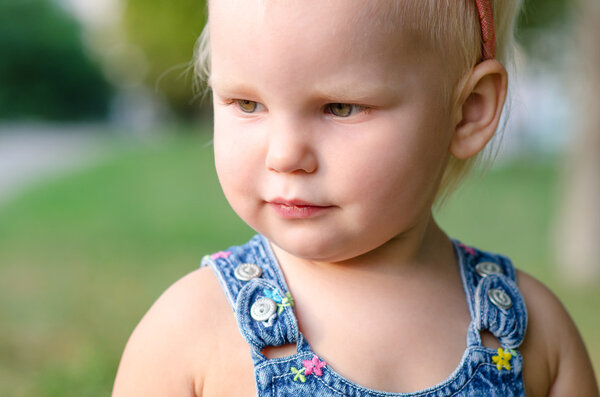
486	20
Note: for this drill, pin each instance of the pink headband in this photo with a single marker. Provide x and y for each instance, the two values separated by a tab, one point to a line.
486	19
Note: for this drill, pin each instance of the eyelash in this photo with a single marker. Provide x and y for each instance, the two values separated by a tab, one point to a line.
354	108
238	103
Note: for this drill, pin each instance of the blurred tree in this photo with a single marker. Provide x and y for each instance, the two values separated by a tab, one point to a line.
44	71
166	32
579	230
539	14
537	19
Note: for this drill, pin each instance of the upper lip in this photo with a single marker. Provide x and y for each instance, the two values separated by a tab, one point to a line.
294	202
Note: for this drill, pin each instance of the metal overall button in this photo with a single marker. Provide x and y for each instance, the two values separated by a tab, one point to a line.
247	271
487	268
263	309
500	298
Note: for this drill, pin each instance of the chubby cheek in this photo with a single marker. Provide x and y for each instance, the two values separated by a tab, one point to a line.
395	174
235	162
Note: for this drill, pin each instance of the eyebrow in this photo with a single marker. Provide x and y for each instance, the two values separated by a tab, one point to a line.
345	94
341	92
228	85
353	92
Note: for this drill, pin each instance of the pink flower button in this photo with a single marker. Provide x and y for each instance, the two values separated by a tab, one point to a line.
314	366
469	250
220	254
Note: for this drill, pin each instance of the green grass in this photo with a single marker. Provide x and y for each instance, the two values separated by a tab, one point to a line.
512	210
83	257
508	210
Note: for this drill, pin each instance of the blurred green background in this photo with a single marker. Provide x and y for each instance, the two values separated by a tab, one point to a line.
108	192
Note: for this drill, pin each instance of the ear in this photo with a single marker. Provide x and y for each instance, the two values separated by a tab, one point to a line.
479	108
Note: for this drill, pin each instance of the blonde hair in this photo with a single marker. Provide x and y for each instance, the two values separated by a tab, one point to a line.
453	30
455	33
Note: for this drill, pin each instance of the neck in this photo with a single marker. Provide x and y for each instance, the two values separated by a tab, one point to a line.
419	249
405	270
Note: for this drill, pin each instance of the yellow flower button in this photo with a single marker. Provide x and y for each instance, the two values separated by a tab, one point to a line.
502	360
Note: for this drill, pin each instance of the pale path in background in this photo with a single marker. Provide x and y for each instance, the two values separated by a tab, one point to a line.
30	153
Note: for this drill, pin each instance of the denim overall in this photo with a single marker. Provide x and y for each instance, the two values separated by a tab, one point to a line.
263	307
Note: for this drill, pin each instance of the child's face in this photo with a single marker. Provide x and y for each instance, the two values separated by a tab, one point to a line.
285	77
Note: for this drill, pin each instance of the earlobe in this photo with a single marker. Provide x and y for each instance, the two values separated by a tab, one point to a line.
484	94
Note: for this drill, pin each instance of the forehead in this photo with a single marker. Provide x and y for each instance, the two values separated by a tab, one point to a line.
307	10
352	19
301	36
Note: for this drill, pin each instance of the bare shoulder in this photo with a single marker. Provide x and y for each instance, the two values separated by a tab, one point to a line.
162	355
556	362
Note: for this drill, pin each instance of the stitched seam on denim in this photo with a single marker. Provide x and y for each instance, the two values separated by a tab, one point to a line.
471	377
318	379
270	261
273	263
413	394
224	285
253	337
329	387
518	314
303	344
283	360
273	382
452	378
365	390
248	336
462	266
256	257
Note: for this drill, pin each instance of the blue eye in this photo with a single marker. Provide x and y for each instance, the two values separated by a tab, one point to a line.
343	109
246	106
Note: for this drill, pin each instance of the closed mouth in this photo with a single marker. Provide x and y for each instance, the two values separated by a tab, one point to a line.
296	209
294	203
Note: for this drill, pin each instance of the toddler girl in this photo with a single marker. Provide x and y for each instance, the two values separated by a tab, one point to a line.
337	125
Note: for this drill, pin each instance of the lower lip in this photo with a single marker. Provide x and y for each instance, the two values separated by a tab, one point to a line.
297	211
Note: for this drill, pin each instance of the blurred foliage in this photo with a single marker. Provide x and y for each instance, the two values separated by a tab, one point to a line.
538	18
540	14
166	32
44	70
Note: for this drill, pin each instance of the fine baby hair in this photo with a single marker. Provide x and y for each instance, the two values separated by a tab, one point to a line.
456	29
337	124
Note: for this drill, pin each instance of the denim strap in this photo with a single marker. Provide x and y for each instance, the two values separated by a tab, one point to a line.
508	324
282	327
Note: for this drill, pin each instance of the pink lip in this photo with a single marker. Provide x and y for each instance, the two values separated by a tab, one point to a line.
296	209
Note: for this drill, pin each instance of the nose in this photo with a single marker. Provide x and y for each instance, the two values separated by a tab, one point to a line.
290	149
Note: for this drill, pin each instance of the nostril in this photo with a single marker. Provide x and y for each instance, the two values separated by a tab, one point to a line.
291	159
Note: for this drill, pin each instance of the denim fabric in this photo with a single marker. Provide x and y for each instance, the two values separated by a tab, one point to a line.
303	374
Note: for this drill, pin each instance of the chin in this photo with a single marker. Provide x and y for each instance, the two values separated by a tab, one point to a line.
312	242
319	248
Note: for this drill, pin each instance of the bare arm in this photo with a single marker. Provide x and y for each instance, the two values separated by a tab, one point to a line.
161	356
556	362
